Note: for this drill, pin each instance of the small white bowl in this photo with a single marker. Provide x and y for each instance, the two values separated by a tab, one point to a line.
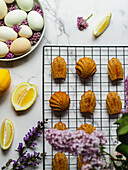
34	46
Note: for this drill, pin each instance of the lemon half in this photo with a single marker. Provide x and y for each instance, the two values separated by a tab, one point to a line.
6	134
23	96
102	25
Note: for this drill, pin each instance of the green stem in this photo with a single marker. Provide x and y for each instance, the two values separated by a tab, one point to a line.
88	17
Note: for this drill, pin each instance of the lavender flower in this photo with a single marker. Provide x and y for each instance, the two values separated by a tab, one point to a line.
24	22
81	23
2	23
16	28
9	42
11	7
25	159
38	9
126	96
79	143
9	56
35	37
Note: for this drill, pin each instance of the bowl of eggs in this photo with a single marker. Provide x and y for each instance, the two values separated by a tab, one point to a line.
22	26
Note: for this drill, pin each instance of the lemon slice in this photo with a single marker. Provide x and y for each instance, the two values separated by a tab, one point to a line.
102	25
6	134
23	96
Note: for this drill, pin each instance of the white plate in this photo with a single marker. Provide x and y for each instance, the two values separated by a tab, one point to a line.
34	46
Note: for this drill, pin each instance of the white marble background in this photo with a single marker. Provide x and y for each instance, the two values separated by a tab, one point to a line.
61	28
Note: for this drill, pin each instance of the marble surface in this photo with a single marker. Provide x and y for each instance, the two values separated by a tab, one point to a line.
61	29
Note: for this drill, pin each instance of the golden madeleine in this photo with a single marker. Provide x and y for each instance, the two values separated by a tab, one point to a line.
60	126
115	69
88	102
60	162
113	103
59	101
59	68
85	67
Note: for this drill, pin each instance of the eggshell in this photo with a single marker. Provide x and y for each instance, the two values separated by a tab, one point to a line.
15	17
9	1
35	21
3	49
25	31
7	33
25	5
3	9
20	46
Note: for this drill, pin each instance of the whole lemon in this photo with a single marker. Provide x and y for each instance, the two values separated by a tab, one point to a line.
5	80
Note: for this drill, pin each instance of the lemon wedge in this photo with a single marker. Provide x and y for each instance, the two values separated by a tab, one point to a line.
6	134
102	25
23	96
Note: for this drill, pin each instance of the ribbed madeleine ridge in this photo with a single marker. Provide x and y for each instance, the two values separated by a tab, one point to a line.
59	101
85	67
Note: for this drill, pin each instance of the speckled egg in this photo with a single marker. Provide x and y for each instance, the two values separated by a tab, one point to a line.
35	21
3	9
3	49
15	17
20	46
25	31
7	33
25	5
9	1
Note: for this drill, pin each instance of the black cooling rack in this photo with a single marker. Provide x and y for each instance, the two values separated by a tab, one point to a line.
100	84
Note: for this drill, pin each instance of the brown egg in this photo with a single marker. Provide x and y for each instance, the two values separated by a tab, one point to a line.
20	46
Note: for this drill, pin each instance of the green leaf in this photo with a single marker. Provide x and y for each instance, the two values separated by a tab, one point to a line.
119	121
123	149
122	130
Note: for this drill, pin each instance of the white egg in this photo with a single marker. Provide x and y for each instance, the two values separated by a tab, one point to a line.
3	9
9	1
25	5
35	21
25	31
3	50
7	33
15	17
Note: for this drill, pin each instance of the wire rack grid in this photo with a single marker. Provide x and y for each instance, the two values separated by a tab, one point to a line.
73	85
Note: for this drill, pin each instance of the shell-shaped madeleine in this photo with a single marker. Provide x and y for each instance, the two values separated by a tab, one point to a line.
113	103
88	128
60	126
81	163
115	69
88	102
85	67
60	162
59	68
59	101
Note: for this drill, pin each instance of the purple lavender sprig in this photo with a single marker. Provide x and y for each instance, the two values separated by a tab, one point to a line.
26	159
82	23
38	9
